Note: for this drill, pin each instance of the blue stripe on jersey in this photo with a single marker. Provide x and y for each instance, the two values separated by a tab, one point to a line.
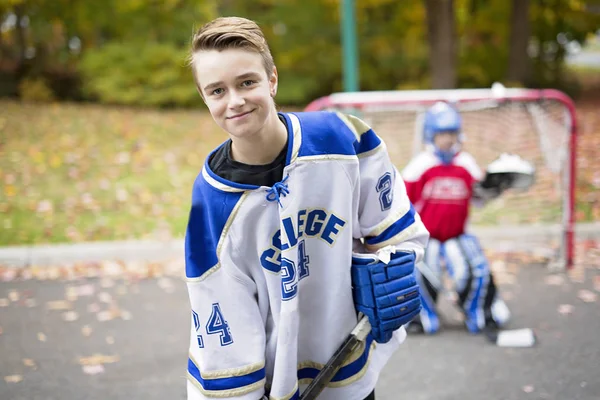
347	371
323	133
368	141
233	382
209	213
290	132
407	220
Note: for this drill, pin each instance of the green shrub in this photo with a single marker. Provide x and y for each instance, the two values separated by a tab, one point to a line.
148	74
35	90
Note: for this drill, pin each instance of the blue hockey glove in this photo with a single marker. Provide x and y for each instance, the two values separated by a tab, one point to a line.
387	294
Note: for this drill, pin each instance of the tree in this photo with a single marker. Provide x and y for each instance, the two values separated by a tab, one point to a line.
441	36
520	31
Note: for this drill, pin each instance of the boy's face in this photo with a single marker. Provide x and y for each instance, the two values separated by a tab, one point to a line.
445	140
236	89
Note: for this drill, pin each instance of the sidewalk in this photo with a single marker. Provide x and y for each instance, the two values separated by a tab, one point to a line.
535	239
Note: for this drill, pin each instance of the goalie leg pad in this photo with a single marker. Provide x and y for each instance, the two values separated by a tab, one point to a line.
429	278
470	272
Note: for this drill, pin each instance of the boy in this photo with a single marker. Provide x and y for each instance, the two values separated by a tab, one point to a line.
277	212
441	182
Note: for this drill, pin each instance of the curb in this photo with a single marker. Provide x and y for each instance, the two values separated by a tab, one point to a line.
531	238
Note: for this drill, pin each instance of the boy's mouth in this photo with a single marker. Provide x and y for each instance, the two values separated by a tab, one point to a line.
240	115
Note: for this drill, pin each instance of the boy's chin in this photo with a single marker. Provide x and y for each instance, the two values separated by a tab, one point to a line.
244	132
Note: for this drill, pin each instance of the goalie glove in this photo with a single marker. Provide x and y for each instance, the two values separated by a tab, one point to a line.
509	171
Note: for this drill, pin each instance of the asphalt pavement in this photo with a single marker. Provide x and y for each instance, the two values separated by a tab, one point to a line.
98	337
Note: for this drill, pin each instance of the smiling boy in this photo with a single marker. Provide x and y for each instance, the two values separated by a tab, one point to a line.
283	216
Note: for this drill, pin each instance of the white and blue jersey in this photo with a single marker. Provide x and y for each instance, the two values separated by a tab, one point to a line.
268	269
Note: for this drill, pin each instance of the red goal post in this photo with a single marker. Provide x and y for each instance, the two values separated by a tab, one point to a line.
538	125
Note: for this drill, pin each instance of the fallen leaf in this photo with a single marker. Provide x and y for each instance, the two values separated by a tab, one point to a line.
505	279
1	331
104	297
13	295
41	337
71	294
28	362
86	330
125	315
103	316
4	302
86	290
30	303
554	280
59	305
70	316
587	296
166	284
53	273
577	274
565	309
98	359
9	275
93	369
110	340
528	388
13	378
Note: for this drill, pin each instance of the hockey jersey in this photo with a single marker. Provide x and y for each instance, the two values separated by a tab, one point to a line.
268	269
441	192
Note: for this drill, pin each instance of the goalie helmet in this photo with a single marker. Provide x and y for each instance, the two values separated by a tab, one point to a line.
442	117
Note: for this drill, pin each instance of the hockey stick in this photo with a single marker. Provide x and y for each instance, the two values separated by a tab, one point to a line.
358	335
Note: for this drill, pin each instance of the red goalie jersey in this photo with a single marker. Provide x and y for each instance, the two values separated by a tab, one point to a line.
442	193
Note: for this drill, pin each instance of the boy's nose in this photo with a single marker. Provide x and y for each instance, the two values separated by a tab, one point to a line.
236	100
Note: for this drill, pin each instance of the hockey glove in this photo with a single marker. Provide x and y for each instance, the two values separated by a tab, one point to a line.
387	294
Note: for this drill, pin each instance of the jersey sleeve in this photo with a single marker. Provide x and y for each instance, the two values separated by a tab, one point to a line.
227	335
385	214
412	180
468	162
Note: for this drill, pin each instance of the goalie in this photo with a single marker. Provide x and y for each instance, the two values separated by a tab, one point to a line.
442	182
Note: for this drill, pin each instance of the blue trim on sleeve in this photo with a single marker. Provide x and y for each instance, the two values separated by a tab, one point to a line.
407	220
345	372
368	141
324	133
209	213
233	382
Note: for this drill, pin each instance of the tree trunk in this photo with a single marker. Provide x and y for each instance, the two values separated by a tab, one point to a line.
441	35
520	31
21	35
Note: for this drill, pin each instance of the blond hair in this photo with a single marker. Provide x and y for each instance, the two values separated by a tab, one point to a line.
233	33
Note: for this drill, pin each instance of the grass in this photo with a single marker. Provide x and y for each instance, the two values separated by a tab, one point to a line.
71	173
78	173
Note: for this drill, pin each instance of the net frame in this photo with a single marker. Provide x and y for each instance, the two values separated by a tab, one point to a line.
493	97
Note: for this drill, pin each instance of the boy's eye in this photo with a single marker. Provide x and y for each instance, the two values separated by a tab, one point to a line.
217	91
248	82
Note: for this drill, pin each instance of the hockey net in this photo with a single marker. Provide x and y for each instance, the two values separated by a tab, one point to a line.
537	125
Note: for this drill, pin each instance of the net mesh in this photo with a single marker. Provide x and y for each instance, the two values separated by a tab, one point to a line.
538	131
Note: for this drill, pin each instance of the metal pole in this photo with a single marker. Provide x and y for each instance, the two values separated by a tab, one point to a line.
349	46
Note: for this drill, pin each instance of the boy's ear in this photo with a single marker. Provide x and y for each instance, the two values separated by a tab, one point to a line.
273	80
